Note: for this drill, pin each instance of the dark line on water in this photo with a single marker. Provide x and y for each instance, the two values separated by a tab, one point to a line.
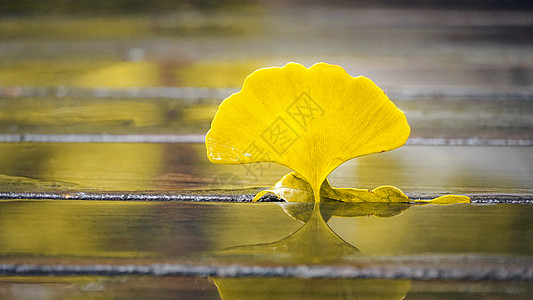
195	95
234	196
200	138
101	138
186	95
468	142
128	197
460	268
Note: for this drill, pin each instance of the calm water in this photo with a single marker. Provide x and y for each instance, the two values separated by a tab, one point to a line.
253	288
138	233
162	230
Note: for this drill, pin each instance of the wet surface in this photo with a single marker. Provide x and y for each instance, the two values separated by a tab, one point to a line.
124	287
116	106
201	251
98	287
162	231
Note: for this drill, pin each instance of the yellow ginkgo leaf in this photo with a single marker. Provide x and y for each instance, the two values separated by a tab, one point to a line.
308	119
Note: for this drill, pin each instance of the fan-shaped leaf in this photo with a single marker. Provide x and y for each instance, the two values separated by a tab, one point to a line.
308	119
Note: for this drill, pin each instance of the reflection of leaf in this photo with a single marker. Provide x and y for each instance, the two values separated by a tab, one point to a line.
293	188
302	211
296	288
310	120
314	242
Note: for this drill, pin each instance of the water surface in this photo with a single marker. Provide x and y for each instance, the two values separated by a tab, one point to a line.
137	235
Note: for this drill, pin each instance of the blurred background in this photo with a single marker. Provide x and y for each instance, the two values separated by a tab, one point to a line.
158	43
149	76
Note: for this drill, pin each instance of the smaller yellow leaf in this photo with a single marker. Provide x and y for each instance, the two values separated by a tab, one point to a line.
384	193
293	188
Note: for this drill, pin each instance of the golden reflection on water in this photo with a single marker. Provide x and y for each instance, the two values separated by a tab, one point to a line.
41	229
421	229
294	288
115	166
90	72
126	167
132	114
212	73
66	228
314	243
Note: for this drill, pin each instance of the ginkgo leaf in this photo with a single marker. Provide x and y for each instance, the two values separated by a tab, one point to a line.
294	188
308	119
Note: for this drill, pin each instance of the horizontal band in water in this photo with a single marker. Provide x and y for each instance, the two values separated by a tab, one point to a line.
415	267
226	196
199	138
